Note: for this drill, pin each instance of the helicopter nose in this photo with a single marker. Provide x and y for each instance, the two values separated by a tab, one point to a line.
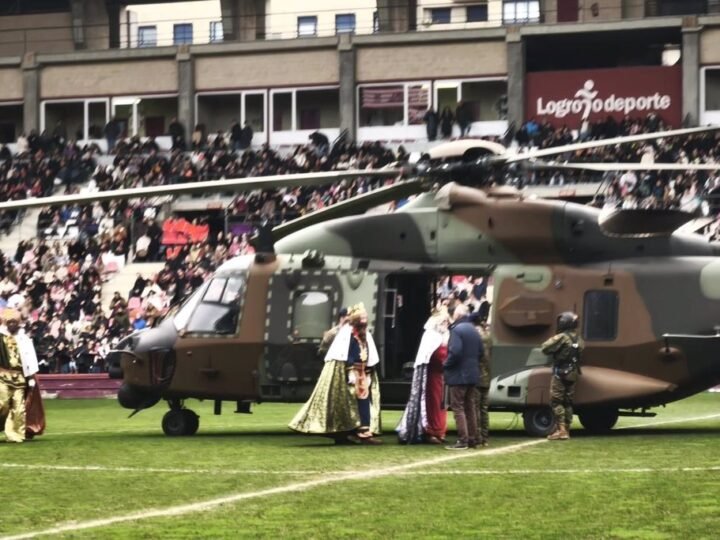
135	398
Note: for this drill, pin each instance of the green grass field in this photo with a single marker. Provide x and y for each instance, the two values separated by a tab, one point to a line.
258	479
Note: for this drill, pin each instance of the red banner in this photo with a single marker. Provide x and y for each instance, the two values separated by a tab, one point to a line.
382	97
570	97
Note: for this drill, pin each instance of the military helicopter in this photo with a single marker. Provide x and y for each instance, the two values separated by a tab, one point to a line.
648	296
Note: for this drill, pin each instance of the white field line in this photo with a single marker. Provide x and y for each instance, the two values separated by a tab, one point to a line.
483	472
280	490
102	468
675	421
523	472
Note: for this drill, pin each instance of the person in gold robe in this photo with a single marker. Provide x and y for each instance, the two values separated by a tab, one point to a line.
18	366
345	404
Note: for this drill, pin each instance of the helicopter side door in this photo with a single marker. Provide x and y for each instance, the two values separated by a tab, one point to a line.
303	305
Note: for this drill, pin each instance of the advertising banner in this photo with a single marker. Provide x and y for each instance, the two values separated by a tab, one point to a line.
570	97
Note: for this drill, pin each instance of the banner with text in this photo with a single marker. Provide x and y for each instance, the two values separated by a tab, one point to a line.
570	97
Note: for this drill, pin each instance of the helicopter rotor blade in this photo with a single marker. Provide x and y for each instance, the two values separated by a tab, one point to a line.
210	186
353	206
610	167
545	152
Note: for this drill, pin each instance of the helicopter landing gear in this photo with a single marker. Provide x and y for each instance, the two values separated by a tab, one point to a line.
179	421
599	420
538	421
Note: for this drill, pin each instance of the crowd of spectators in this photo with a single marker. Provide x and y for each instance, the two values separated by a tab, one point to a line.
628	189
57	278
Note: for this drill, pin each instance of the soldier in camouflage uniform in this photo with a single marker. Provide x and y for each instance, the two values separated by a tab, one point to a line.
484	384
565	349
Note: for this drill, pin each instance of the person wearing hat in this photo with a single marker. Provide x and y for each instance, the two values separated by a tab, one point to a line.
18	366
424	418
345	404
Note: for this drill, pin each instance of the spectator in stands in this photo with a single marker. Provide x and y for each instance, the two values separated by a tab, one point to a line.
246	137
431	120
177	134
463	115
236	134
112	132
446	122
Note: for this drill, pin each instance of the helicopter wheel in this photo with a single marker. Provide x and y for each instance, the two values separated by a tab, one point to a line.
178	422
538	421
599	420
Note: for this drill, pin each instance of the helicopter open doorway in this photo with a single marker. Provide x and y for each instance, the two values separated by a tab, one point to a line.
406	304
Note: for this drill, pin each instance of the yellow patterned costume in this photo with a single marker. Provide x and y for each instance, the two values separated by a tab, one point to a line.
12	392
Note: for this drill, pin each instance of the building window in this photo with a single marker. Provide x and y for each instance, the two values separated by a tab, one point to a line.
682	7
712	89
182	33
386	105
216	32
147	36
440	15
600	315
307	26
312	314
520	11
376	22
345	23
478	13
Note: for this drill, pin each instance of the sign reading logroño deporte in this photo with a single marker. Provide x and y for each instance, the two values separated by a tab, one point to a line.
570	97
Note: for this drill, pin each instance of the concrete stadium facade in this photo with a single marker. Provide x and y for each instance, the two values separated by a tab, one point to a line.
287	88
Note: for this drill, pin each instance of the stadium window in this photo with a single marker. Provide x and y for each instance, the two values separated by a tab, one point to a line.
440	15
386	105
521	11
216	32
600	315
182	33
712	89
307	26
478	13
147	36
345	23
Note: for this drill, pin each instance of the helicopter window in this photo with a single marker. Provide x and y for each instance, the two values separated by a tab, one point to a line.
312	314
600	318
183	315
219	311
214	291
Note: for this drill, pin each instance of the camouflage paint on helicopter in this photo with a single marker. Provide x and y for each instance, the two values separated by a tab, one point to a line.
462	226
648	330
249	333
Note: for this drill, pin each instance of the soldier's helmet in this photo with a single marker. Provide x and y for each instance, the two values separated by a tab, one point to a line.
567	321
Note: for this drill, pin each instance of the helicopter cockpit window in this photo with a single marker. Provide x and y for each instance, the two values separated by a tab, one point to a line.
186	310
312	314
219	310
600	316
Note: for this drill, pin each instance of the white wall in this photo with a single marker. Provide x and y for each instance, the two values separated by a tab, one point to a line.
282	16
458	17
164	16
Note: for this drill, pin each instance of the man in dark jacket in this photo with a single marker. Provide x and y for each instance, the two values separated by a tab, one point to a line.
462	375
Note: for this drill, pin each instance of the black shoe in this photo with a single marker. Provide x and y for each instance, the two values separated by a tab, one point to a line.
343	440
457	446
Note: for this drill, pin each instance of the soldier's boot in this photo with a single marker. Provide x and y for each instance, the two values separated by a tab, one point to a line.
557	434
564	434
